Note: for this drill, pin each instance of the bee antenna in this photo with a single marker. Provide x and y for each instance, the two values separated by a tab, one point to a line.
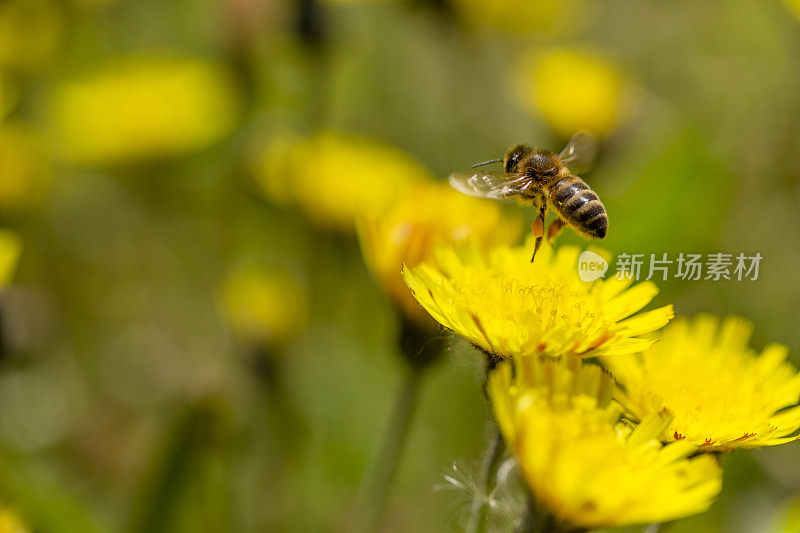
486	163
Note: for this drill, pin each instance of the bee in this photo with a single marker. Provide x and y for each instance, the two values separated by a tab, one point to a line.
541	178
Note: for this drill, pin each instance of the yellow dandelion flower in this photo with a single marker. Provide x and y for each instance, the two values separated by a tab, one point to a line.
30	31
10	249
510	307
586	469
426	216
10	522
26	173
334	177
263	306
572	90
9	94
144	107
787	520
794	7
722	394
516	16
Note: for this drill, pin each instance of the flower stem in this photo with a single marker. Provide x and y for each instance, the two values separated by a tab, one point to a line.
194	436
370	509
420	348
477	514
530	521
538	520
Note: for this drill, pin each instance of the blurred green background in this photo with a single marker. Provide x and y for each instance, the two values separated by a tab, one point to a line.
130	402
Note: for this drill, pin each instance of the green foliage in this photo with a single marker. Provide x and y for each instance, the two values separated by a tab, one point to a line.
180	426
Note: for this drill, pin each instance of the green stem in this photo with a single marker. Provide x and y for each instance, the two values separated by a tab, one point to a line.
477	514
195	433
370	509
538	520
419	350
529	522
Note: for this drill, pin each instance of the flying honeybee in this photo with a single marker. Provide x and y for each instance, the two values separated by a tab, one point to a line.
536	177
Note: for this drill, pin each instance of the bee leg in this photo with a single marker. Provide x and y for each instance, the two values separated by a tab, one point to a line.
538	229
554	229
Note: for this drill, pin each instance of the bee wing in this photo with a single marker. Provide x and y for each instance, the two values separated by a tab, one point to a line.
580	153
484	184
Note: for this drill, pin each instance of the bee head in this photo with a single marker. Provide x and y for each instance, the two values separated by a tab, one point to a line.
514	155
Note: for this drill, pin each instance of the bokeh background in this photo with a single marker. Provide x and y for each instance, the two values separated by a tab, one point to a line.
191	340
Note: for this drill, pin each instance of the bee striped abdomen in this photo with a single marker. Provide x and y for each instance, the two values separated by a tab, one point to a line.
579	206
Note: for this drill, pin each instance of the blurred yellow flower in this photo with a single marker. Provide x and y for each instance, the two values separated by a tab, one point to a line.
722	394
10	522
572	90
30	31
517	16
794	7
25	172
510	307
419	220
144	107
787	520
9	94
10	249
333	177
263	306
583	466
